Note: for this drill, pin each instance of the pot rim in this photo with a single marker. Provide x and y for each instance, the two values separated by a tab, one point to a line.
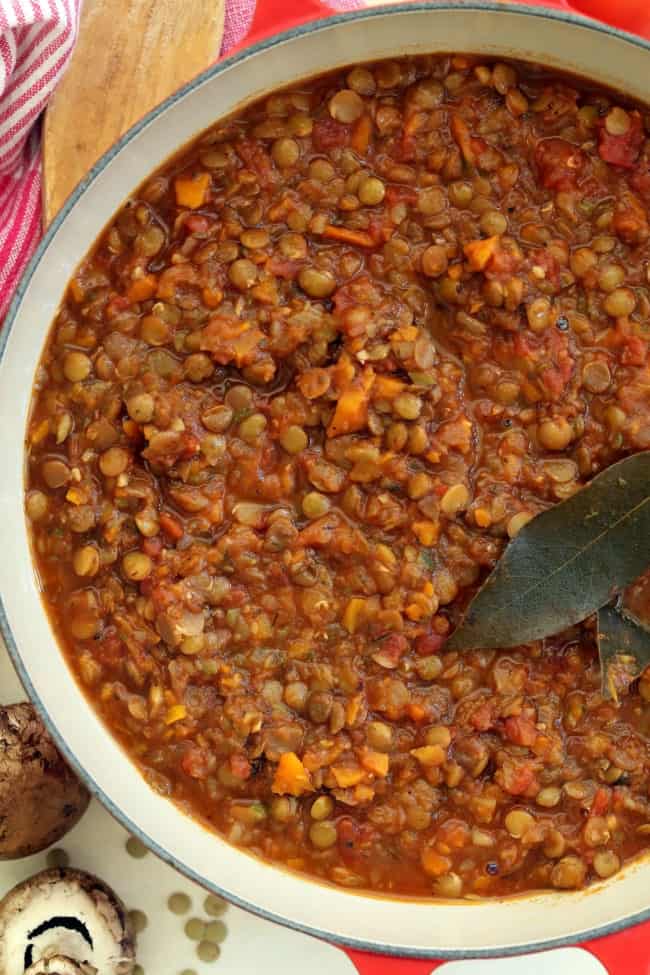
490	6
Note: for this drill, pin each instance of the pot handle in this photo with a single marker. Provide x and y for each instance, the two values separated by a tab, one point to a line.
369	964
274	16
625	953
630	15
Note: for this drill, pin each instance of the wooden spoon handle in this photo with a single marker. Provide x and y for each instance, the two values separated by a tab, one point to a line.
131	54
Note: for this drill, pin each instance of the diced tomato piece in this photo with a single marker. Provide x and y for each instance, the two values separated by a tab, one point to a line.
196	223
152	547
116	305
479	147
380	228
161	596
428	643
520	730
191	445
353	838
391	650
635	351
517	778
408	143
559	163
631	220
359	291
110	650
558	102
283	268
525	345
400	194
640	178
254	156
171	526
601	801
556	377
622	150
505	261
554	382
482	717
407	147
236	596
327	133
454	833
196	762
240	766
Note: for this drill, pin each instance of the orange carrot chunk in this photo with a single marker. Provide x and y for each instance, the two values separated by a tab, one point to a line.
361	133
358	237
192	192
479	253
351	412
291	776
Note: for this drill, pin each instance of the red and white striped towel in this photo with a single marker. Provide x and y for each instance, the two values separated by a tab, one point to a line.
36	40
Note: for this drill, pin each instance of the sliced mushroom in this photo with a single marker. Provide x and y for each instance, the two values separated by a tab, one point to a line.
40	796
62	918
58	965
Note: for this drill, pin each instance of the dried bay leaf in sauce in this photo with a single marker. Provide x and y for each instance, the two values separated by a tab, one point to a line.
566	563
623	647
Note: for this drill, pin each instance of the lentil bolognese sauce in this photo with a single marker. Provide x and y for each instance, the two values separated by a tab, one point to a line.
306	385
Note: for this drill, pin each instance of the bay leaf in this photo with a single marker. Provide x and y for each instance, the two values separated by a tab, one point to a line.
623	647
566	563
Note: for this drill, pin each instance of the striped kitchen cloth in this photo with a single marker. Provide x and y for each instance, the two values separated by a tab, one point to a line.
36	40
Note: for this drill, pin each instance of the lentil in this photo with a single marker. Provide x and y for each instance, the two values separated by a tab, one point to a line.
85	561
606	863
434	261
555	434
195	929
207	951
371	191
285	152
518	822
620	302
215	931
214	906
76	367
179	903
294	439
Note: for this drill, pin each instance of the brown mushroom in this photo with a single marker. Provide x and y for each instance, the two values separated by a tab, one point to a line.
65	922
40	797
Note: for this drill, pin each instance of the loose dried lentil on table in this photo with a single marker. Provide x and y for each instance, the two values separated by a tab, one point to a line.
314	375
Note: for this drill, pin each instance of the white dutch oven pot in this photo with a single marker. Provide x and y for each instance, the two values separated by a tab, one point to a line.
605	919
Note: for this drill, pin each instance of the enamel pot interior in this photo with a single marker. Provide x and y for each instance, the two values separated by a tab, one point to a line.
392	926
